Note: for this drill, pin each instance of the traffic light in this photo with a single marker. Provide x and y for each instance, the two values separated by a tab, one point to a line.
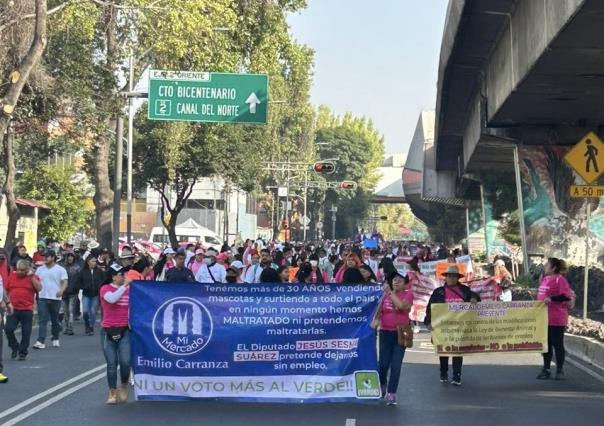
324	167
349	185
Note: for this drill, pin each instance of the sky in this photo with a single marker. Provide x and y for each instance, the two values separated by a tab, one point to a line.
377	59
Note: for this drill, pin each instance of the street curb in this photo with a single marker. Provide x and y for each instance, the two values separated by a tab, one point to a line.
586	349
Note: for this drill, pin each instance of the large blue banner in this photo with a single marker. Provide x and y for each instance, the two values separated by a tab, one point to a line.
254	342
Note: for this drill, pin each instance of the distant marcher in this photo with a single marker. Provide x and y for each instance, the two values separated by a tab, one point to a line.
90	280
179	273
21	289
54	283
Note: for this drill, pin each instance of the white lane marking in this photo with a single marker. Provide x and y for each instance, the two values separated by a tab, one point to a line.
351	422
52	400
585	369
51	390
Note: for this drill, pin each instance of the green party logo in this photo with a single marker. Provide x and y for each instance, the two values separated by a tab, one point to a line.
367	384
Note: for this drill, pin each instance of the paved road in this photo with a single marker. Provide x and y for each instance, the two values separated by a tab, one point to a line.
66	386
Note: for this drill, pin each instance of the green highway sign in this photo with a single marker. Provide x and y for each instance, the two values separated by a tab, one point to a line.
208	96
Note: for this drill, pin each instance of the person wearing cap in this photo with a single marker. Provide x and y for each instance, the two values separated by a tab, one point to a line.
453	291
54	283
164	264
115	332
179	273
196	262
211	272
393	311
71	293
126	257
237	266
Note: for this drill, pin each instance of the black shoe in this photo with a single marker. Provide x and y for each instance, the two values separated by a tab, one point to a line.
68	332
544	375
14	354
22	357
444	379
560	375
456	380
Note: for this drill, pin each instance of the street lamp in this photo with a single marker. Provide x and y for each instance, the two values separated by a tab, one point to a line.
334	210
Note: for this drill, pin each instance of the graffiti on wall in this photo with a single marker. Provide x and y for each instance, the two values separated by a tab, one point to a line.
555	222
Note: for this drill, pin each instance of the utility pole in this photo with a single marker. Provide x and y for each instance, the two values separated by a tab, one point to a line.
305	225
117	191
129	149
334	210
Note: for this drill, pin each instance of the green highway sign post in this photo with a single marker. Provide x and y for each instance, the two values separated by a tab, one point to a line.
208	97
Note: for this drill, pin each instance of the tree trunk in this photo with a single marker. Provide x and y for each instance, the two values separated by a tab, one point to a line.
9	190
103	195
18	78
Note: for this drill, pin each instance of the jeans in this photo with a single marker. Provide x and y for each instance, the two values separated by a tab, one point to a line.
69	305
457	364
555	342
1	339
48	309
391	358
26	319
89	308
116	353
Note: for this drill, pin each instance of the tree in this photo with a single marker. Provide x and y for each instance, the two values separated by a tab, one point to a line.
397	215
8	101
350	148
171	157
450	225
63	193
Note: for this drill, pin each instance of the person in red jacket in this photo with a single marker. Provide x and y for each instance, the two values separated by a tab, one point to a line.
21	288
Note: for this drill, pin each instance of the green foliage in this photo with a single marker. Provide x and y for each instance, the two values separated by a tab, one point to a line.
62	193
450	226
510	228
397	215
500	190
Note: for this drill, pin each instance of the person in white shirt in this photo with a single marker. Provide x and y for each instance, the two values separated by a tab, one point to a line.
372	262
253	270
54	283
211	272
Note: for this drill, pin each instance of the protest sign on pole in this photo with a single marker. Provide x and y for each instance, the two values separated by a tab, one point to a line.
489	327
258	342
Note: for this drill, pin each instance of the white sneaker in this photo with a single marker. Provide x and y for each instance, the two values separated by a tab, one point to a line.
39	345
56	344
416	329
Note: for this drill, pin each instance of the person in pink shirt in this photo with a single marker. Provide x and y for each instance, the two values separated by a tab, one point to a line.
555	291
115	334
393	311
196	262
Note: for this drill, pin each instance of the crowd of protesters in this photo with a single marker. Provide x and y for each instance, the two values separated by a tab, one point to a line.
66	283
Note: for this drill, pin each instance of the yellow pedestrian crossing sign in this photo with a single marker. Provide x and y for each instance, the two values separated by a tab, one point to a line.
587	157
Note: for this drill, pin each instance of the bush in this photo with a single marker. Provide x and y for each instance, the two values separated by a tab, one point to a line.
523	293
587	328
595	297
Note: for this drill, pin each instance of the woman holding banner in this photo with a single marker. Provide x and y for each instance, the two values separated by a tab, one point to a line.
115	333
393	312
453	291
555	291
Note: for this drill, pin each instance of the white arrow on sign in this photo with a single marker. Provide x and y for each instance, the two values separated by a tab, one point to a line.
253	101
